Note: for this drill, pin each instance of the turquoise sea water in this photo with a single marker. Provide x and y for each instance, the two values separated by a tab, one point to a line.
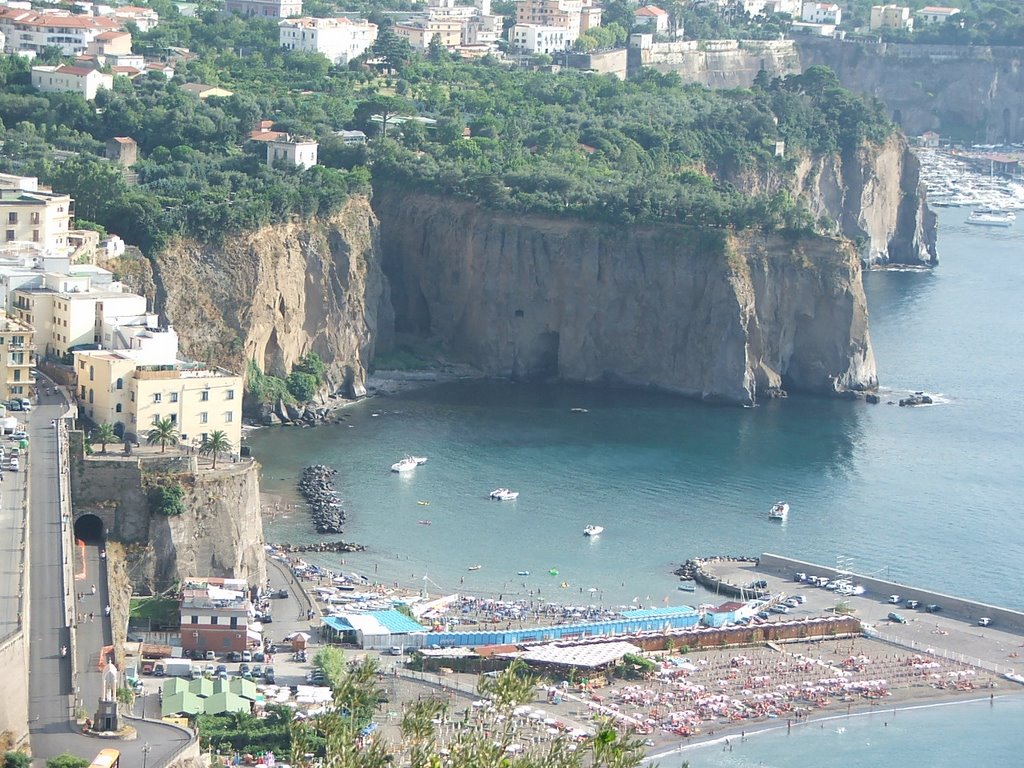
945	736
928	496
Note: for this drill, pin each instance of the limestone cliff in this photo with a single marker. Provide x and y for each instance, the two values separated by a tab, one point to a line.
701	313
876	199
219	533
279	292
973	93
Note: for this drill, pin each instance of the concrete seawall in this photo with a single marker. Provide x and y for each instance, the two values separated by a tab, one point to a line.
959	607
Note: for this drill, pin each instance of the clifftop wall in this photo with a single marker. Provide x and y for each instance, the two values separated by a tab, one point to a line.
701	313
719	63
220	533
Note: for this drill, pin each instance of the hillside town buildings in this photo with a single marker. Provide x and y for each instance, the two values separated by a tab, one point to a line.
85	81
31	215
890	17
935	14
215	616
270	9
339	39
27	31
292	152
17	358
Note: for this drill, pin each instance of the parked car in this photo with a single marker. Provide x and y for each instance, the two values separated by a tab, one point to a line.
259	656
234	656
210	656
933	608
14	465
20	434
913	603
257	670
763	615
243	670
779	609
246	655
221	668
791	603
896	618
268	675
894	599
984	621
799	598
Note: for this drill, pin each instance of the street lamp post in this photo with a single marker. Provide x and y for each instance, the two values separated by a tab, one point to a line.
145	753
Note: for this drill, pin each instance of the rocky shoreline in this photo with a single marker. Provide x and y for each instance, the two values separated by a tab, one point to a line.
701	570
319	546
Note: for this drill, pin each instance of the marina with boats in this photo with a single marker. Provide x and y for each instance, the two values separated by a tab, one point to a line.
956	179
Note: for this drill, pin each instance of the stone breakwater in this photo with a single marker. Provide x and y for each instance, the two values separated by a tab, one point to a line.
702	570
317	488
319	546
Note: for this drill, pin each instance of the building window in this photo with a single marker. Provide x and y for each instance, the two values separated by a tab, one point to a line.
156	418
83	391
229	416
120	384
17	374
91	393
10	235
34	218
12	217
231	394
35	235
234	622
195	620
174	418
204	417
214	619
157	397
92	372
174	397
204	395
133	397
117	408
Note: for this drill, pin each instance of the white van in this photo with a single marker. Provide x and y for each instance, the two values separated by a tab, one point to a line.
15	466
26	404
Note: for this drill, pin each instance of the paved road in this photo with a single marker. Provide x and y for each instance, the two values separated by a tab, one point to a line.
11	489
51	688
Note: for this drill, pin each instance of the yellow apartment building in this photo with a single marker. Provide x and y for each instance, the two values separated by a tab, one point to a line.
17	356
28	215
67	313
118	388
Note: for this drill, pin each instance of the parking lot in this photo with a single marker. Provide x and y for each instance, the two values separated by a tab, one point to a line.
923	629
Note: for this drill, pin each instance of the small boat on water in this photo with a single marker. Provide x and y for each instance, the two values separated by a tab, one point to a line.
504	494
593	530
579	410
991	218
423	503
423	522
779	511
408	464
687	587
474	568
522	573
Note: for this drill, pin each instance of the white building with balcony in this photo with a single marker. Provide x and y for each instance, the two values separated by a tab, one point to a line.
339	39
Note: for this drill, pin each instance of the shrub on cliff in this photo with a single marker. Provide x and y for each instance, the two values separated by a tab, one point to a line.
265	388
301	385
167	500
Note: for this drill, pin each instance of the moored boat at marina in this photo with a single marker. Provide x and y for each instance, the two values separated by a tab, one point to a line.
991	218
779	511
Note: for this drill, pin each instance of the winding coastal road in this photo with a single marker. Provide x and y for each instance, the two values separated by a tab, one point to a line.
52	689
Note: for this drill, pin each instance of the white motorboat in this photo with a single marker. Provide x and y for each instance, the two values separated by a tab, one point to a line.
779	511
504	494
593	530
405	465
419	459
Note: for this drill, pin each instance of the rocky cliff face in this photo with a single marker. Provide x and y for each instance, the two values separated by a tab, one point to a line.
969	92
220	532
277	293
705	314
875	197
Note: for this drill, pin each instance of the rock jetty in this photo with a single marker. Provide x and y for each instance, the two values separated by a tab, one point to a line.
320	546
317	488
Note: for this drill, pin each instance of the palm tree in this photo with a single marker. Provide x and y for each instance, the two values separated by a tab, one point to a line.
163	432
104	434
214	443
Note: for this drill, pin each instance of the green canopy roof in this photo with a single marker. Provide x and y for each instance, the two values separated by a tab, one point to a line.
244	688
173	685
181	703
202	687
225	702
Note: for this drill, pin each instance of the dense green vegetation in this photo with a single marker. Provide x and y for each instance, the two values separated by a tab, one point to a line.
301	384
568	144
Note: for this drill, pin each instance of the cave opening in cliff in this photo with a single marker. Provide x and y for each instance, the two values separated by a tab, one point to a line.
90	529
